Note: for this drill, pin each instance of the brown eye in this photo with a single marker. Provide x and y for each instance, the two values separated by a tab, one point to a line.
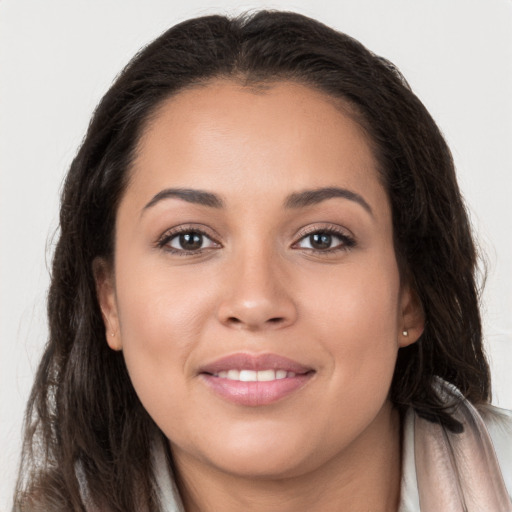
320	240
325	241
189	241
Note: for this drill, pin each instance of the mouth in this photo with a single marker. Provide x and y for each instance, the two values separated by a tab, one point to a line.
255	380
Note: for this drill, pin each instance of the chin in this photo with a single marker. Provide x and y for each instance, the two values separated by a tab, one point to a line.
266	466
264	455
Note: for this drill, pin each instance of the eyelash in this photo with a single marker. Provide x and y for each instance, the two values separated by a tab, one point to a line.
347	242
169	235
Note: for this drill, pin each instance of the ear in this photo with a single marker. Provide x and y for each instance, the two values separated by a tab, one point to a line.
105	291
412	321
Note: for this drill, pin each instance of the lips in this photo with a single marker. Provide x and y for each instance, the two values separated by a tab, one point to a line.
255	380
258	362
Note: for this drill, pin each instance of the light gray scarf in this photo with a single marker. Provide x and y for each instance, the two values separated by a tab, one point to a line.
443	471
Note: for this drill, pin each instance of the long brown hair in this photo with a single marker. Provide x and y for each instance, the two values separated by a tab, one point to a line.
83	411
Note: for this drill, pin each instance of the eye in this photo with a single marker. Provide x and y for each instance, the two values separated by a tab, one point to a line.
187	241
325	240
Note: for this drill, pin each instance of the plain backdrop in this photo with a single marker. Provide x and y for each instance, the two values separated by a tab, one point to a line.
58	57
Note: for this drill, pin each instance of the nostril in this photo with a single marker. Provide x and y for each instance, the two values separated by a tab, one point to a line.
233	320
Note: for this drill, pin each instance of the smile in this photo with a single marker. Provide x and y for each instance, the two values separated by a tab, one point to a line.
255	380
255	376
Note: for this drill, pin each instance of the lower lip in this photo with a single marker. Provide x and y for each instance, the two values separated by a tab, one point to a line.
254	394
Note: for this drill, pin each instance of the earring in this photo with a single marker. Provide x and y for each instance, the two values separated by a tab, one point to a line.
112	334
405	333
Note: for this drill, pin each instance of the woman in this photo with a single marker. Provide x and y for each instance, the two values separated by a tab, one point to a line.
263	296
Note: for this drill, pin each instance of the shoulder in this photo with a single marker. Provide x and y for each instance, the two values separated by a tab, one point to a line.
499	425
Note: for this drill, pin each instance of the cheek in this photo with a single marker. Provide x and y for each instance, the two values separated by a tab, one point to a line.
161	320
157	316
356	314
355	317
160	308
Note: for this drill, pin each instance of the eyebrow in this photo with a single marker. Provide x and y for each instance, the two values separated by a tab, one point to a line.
189	195
312	197
293	201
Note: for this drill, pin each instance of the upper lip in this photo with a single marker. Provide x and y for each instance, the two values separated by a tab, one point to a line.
256	362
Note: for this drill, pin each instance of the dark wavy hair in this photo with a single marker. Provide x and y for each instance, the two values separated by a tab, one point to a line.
83	411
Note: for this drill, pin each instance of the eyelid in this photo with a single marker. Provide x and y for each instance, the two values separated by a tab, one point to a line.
348	239
171	233
324	227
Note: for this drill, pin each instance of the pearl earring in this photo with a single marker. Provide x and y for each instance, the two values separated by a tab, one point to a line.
405	333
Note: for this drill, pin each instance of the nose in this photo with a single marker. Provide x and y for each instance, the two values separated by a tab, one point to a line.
256	295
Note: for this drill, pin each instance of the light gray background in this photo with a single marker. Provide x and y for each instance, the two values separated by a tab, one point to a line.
57	58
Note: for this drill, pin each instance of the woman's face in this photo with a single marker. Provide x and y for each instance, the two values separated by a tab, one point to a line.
256	295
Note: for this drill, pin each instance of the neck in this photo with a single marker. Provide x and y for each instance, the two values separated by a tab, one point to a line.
363	477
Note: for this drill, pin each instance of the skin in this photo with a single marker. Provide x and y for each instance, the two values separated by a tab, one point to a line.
258	288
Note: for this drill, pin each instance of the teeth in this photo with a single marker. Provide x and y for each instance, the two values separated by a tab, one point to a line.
266	375
255	376
248	376
233	375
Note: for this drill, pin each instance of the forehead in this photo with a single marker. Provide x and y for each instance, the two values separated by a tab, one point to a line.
224	134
